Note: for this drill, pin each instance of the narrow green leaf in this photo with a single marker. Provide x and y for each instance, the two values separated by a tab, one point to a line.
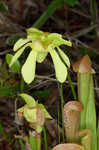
98	135
30	101
28	69
3	7
48	13
60	68
16	67
91	116
72	2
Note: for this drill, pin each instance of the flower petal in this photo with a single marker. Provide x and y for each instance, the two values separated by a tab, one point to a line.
60	41
53	36
16	56
32	31
18	53
28	69
20	43
30	114
46	114
30	101
37	46
21	109
64	57
41	56
60	68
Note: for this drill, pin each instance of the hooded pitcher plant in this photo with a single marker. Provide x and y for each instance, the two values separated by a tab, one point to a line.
42	43
68	146
72	111
86	97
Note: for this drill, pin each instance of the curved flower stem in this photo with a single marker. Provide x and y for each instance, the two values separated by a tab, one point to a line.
98	135
72	87
45	138
22	85
61	94
21	144
58	120
2	132
93	9
50	10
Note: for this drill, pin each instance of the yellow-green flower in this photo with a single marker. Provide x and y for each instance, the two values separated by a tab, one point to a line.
42	43
34	112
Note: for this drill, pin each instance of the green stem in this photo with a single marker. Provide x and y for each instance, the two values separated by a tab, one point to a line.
22	85
35	142
72	87
50	10
61	94
21	144
93	9
3	133
98	135
58	120
38	144
45	138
